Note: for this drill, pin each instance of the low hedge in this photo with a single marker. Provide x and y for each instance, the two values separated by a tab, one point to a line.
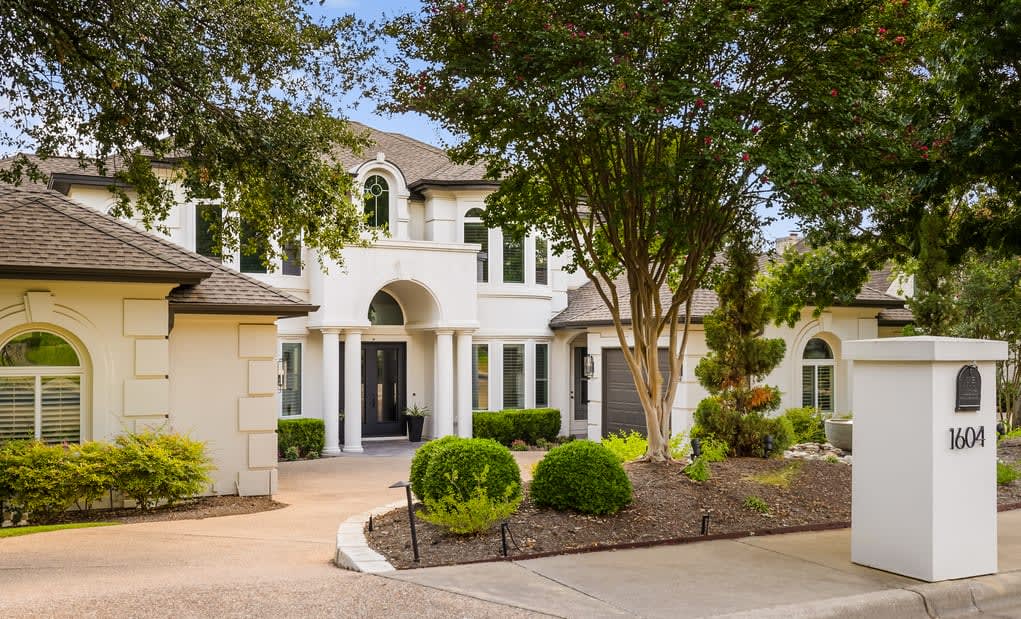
457	468
42	481
581	475
420	462
507	426
308	436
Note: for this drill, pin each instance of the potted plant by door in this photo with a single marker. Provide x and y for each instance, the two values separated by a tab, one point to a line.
415	416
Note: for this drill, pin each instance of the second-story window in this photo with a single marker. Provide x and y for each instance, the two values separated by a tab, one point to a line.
541	261
252	246
476	232
292	258
513	260
377	201
208	219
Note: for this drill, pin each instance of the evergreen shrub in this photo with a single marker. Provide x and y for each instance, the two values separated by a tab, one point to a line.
307	435
420	462
529	425
584	476
458	467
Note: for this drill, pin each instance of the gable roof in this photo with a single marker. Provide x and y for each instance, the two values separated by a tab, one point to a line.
48	236
585	308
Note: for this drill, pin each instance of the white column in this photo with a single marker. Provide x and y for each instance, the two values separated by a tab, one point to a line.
443	409
353	391
331	391
464	384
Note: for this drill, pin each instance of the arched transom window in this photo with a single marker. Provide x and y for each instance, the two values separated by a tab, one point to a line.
377	201
817	375
384	310
40	389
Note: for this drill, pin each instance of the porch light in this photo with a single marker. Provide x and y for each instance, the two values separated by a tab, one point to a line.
589	369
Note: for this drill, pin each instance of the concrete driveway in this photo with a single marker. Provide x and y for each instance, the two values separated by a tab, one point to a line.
273	563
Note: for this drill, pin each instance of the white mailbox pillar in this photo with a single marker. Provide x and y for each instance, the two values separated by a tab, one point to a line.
923	491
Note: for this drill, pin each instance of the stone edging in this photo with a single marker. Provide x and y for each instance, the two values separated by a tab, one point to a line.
353	552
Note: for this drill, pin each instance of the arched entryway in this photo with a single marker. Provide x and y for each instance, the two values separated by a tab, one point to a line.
817	375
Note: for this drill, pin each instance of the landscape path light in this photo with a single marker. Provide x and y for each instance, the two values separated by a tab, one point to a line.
411	515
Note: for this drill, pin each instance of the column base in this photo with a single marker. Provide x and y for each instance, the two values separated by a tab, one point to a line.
331	451
353	449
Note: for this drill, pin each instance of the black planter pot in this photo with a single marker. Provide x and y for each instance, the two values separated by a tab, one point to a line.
415	428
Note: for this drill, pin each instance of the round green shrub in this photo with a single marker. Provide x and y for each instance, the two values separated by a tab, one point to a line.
457	468
581	475
420	462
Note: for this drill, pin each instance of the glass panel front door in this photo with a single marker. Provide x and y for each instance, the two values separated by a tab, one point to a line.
383	398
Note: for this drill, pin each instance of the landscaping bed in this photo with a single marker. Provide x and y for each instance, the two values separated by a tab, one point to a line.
667	506
188	509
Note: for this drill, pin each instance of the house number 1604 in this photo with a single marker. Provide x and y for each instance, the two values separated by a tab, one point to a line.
965	438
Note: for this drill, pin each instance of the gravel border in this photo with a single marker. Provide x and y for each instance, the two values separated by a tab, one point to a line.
353	552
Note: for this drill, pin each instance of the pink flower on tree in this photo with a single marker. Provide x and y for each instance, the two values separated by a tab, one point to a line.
833	92
745	157
708	140
699	102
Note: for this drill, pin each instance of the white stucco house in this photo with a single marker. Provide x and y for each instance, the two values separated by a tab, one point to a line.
446	313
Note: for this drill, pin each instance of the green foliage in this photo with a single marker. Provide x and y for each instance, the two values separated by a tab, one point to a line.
807	423
832	459
714	450
626	446
237	95
819	278
756	504
455	467
518	445
476	514
308	436
684	142
583	476
743	434
420	463
292	453
1006	474
150	467
506	426
542	443
39	479
92	466
29	530
679	447
780	478
1015	433
698	470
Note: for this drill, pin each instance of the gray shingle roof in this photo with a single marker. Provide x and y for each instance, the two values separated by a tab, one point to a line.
48	236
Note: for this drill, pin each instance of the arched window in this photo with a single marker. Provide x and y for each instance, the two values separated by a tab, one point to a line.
476	232
384	310
817	375
40	389
377	201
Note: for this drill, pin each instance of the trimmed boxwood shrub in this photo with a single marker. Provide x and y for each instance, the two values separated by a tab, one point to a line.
150	467
507	426
420	462
457	468
307	435
581	475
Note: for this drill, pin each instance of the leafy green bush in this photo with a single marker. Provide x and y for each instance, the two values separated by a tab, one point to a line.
38	479
456	467
807	423
92	467
698	470
626	446
150	467
581	475
475	514
307	435
1006	474
518	445
756	504
420	463
714	450
744	434
506	426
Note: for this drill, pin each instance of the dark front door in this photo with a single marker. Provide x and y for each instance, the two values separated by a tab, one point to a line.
580	385
383	388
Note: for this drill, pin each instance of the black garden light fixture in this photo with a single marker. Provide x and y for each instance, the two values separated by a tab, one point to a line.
696	448
1001	430
411	515
767	445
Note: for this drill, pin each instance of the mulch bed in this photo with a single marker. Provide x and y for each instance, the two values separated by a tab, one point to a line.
667	507
189	509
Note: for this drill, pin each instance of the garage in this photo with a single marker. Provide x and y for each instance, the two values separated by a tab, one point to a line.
622	410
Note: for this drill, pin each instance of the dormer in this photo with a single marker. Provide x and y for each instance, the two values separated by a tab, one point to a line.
383	192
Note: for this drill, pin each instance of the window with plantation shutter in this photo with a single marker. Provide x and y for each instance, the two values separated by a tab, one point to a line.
817	375
40	389
541	375
513	260
513	376
480	377
476	232
290	392
541	261
292	259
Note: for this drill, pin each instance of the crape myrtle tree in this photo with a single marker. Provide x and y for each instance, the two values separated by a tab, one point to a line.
636	134
235	97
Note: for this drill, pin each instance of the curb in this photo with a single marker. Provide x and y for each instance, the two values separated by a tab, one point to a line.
952	598
353	552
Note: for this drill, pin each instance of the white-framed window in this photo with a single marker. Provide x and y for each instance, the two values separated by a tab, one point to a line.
377	201
817	375
480	377
541	261
290	390
513	259
476	232
541	375
208	223
41	377
513	376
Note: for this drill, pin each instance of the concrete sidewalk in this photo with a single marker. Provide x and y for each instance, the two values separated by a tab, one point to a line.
794	575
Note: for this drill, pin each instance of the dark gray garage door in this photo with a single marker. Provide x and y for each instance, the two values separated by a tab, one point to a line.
622	409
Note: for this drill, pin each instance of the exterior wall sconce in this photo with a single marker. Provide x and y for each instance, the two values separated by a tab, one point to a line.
589	369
